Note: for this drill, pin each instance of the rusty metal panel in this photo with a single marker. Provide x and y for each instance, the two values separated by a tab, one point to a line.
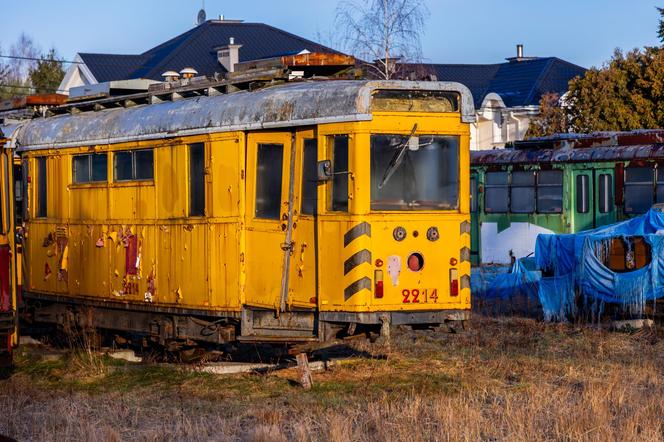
293	104
564	155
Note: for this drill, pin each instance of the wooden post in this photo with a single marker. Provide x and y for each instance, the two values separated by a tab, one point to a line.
305	372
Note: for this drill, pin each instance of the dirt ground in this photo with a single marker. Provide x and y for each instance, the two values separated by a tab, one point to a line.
501	380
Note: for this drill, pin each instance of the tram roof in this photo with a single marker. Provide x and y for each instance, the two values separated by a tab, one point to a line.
8	131
288	105
575	148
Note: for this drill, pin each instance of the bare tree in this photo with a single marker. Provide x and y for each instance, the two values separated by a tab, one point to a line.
385	34
15	73
24	49
4	69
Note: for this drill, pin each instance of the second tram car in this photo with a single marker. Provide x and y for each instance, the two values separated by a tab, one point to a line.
286	214
560	184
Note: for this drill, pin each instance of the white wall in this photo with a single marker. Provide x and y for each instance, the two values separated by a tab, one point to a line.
497	124
78	74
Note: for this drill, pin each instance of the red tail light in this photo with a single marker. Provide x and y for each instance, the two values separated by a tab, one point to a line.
378	282
454	282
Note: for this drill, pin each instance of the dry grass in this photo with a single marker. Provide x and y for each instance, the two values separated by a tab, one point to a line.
502	380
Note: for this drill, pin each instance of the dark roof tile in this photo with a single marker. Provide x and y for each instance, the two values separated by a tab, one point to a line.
519	83
107	67
196	48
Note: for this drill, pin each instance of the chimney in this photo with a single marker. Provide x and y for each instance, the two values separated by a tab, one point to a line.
188	72
519	56
170	76
229	55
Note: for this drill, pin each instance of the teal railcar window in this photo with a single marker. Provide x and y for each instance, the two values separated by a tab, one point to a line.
496	195
473	194
522	198
605	194
550	191
582	194
659	186
638	189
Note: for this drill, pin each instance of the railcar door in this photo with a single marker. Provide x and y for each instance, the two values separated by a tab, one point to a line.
268	171
605	208
304	254
584	202
280	256
8	330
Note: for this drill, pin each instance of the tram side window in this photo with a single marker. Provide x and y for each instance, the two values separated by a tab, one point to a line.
582	194
268	180
340	167
197	179
41	188
310	177
605	194
550	191
134	165
473	194
523	192
659	190
90	168
638	189
496	195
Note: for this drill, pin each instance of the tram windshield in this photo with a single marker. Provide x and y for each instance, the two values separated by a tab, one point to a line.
414	172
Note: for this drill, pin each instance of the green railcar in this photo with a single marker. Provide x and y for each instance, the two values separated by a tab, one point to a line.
560	184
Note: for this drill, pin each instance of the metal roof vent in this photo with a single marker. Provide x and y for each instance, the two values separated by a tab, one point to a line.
170	76
188	72
519	55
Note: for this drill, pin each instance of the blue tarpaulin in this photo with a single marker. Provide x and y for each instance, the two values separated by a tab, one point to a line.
574	270
503	289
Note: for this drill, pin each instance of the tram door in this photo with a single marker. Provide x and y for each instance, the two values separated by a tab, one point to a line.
273	161
474	222
8	335
583	209
304	257
605	208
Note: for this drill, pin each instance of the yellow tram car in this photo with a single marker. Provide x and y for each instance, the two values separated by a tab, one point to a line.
287	214
8	283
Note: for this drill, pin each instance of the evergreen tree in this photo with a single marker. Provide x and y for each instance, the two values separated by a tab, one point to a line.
46	76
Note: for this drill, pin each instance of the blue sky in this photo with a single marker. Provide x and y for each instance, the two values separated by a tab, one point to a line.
584	32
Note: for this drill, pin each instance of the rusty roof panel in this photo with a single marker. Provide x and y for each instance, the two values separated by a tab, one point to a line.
595	139
563	155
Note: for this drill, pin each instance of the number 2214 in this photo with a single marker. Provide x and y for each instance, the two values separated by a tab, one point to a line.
416	296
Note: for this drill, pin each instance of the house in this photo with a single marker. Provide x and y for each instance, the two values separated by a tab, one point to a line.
506	94
213	47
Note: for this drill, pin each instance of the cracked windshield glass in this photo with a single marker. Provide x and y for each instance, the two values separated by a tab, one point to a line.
414	173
